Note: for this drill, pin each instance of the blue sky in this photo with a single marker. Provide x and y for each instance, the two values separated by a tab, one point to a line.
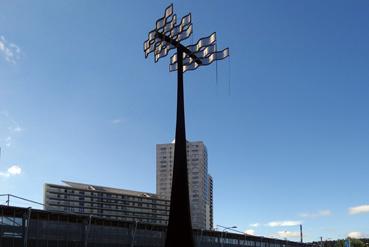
286	123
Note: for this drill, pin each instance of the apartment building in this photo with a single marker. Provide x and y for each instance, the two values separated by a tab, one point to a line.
200	182
106	202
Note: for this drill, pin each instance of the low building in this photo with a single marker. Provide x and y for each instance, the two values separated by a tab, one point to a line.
118	204
34	228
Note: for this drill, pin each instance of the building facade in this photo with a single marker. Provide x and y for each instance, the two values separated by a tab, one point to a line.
106	202
209	207
57	229
200	182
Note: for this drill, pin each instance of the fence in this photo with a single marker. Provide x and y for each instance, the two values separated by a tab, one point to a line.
26	227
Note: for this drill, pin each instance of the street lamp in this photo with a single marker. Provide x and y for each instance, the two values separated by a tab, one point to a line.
225	228
167	35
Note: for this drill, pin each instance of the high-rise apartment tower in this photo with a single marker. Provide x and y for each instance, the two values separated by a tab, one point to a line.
200	182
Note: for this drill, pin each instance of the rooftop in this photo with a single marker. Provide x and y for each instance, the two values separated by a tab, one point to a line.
91	187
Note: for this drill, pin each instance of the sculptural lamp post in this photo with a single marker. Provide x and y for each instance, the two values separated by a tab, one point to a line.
166	36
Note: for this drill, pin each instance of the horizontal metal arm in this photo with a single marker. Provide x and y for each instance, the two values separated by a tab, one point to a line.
180	46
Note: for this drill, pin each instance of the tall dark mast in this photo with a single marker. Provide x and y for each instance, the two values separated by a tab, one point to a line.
165	36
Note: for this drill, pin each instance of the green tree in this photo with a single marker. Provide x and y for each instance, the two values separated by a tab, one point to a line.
353	243
356	242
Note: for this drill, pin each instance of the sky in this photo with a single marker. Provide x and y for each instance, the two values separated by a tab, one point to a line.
285	119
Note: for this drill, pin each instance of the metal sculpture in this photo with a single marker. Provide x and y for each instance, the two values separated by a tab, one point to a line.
167	35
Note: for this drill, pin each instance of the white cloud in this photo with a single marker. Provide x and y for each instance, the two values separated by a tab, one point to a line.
9	51
357	235
8	141
250	232
321	213
359	209
255	225
117	121
12	171
284	223
16	129
288	234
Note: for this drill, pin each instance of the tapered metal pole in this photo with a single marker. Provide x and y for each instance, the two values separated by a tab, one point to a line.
179	233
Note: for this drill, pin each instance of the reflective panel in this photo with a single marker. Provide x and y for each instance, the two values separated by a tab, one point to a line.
215	56
169	10
206	51
163	52
170	25
185	34
162	48
203	42
164	25
191	66
185	22
162	21
209	56
167	26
